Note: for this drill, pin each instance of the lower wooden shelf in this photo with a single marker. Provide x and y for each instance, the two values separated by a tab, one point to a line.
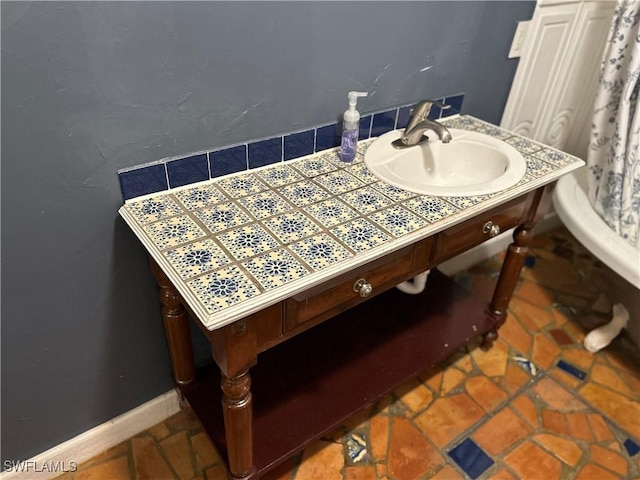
308	385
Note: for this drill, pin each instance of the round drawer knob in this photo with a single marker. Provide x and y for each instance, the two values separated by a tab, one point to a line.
362	287
491	229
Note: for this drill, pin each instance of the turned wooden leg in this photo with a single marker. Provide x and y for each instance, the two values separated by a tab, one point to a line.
238	416
176	327
509	275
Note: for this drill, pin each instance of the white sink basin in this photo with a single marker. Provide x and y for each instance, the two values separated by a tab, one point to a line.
471	164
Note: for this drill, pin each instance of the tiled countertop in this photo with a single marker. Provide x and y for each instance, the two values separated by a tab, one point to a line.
235	245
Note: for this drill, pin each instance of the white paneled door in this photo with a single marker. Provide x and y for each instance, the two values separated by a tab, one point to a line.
551	99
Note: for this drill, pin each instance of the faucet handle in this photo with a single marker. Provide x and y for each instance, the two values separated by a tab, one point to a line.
439	104
422	109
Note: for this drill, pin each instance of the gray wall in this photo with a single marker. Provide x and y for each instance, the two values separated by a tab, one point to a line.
88	88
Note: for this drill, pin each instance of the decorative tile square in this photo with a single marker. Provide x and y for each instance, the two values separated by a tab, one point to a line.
361	171
526	179
222	217
242	185
356	448
303	193
279	175
366	200
359	235
494	132
247	241
275	269
464	123
333	156
265	204
397	220
197	258
153	209
320	251
311	167
471	458
200	196
188	170
523	145
362	146
554	157
331	212
431	208
393	192
173	231
338	182
292	226
526	364
223	288
466	202
538	168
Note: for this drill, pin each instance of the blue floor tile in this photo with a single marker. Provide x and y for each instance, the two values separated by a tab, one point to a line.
471	458
572	370
631	446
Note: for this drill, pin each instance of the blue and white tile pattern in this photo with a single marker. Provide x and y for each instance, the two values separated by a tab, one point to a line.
233	239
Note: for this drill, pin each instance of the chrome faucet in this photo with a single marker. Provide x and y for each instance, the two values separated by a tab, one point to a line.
419	123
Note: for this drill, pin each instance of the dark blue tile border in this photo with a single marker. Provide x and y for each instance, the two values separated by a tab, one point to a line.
471	458
265	152
435	113
299	144
404	114
229	160
383	122
328	137
188	170
143	181
184	171
364	127
455	102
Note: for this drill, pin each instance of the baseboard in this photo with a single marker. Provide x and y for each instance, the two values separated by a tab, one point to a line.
493	246
67	455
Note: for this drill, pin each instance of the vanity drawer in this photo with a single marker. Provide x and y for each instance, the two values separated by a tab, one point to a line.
460	238
338	295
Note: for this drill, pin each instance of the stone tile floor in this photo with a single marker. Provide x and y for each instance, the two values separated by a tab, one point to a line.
536	406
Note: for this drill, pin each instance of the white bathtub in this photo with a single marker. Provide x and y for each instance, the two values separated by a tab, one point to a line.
574	209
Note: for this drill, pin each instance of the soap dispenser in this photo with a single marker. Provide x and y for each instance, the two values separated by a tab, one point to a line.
350	128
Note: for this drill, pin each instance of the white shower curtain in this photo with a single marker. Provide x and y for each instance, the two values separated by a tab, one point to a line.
614	166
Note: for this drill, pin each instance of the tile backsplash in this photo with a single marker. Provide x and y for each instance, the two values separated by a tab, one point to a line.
192	168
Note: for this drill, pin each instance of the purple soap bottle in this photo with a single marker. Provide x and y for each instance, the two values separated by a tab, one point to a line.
350	128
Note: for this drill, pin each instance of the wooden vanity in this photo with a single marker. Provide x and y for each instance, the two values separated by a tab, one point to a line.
280	390
292	361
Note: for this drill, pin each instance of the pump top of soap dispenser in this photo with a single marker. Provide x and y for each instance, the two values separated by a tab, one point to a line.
352	114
